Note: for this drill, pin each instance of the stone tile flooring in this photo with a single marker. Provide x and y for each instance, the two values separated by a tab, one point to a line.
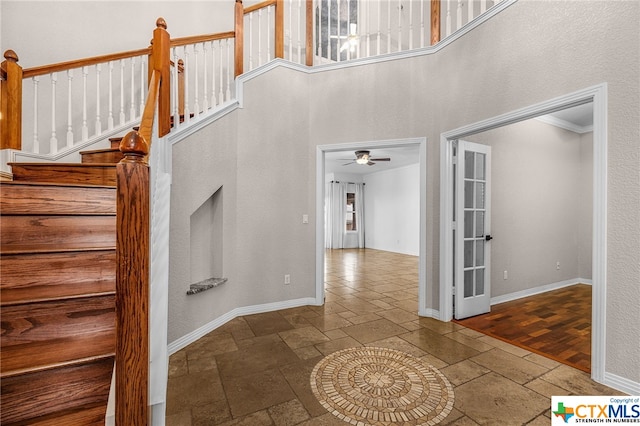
255	370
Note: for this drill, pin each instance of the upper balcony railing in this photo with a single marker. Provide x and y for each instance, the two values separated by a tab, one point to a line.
53	110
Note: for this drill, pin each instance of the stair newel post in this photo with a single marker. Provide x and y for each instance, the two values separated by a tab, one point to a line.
239	39
132	283
279	42
435	21
161	62
10	102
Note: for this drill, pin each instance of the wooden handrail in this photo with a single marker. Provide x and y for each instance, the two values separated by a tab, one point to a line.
183	41
77	63
259	6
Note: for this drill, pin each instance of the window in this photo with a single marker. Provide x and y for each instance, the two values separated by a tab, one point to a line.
336	27
351	212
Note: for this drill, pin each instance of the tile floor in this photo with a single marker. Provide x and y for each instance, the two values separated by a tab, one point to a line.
255	370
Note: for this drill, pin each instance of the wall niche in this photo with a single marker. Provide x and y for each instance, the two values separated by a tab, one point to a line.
206	244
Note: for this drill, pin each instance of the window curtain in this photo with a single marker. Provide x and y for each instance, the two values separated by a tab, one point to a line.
359	191
335	214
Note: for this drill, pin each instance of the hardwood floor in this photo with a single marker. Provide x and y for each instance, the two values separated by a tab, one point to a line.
556	324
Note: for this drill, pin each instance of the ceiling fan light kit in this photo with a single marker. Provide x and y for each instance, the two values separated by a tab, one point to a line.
364	157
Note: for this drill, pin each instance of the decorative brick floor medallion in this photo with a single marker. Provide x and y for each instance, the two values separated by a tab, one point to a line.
380	386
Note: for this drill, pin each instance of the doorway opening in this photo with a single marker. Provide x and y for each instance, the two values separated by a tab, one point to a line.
418	145
595	95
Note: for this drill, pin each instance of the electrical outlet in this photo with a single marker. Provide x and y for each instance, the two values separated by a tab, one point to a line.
505	275
558	266
287	279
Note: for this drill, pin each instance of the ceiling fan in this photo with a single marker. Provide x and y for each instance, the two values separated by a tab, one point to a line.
364	157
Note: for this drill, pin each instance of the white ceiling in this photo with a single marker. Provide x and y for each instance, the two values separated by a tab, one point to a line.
578	119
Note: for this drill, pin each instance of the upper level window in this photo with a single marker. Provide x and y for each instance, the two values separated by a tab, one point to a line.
337	28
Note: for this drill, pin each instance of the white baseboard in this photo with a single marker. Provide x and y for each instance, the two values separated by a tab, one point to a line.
429	313
622	384
537	290
187	339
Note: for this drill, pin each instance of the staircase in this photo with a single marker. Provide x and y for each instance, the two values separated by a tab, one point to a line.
57	293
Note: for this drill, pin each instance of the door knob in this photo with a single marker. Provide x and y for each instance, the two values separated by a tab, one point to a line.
488	237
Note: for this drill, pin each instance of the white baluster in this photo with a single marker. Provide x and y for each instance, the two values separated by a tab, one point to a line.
187	66
400	8
69	115
470	10
368	27
174	88
228	95
205	80
214	102
121	118
318	7
260	38
459	15
379	27
36	142
448	19
196	70
53	142
410	25
132	106
339	31
98	123
422	30
347	42
110	116
290	30
300	61
85	127
388	26
483	6
329	30
268	33
221	94
251	42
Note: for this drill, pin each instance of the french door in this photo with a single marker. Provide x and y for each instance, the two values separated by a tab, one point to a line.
473	230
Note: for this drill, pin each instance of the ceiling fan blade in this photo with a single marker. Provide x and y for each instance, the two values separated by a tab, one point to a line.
346	164
380	159
371	163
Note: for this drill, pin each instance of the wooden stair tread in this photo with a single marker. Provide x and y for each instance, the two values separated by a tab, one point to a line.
39	393
56	199
35	277
98	151
41	336
61	248
89	415
83	173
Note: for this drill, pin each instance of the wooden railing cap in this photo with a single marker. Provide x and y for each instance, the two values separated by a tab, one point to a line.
161	23
11	56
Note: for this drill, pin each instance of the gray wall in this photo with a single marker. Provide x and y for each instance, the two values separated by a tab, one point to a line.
392	210
264	154
538	213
